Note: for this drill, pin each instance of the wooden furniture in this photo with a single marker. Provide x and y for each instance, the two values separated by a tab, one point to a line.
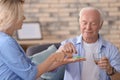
26	43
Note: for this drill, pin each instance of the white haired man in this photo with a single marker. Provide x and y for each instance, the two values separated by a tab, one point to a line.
86	44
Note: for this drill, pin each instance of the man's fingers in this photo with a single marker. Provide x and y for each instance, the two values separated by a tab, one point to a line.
73	48
68	55
69	48
104	63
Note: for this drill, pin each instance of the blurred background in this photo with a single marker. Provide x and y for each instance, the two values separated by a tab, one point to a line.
59	19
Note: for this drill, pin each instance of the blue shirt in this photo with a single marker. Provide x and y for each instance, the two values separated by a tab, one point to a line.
14	65
73	70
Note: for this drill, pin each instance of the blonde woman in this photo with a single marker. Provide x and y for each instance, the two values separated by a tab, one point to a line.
14	64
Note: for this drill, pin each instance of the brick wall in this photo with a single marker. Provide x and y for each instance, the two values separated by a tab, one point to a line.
59	18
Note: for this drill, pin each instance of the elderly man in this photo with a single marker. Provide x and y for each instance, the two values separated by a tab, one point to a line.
88	43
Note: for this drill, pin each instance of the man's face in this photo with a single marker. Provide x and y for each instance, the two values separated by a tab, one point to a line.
90	24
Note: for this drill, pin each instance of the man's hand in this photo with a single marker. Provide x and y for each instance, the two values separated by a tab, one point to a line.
105	64
67	48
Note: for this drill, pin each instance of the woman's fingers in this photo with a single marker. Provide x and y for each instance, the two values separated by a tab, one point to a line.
71	60
64	58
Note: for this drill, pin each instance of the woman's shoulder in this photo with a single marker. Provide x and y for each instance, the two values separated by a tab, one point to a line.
5	39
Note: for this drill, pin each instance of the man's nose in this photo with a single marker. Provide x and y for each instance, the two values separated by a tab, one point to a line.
88	26
24	17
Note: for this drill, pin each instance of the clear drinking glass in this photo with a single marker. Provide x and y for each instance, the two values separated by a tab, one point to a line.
97	57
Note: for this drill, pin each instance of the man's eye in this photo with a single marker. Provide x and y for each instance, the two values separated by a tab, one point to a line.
93	23
84	23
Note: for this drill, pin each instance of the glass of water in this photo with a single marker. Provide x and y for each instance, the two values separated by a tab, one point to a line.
97	57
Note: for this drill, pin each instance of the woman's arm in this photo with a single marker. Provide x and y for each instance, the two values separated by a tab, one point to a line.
55	60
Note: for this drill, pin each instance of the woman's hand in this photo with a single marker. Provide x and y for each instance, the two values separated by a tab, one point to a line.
61	59
64	55
64	58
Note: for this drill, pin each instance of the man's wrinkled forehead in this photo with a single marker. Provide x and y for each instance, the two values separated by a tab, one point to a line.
90	14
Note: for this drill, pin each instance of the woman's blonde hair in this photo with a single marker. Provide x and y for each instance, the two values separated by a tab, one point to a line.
10	12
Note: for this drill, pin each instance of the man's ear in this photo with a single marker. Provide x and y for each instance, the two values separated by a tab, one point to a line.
101	24
1	21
